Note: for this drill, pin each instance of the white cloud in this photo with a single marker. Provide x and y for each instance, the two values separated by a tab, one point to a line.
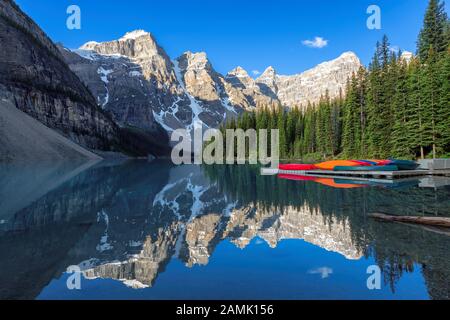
318	42
323	271
394	49
256	72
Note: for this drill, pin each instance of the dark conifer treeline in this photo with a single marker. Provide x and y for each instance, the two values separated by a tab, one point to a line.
395	107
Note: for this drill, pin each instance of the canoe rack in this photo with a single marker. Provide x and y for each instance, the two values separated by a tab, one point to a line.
360	175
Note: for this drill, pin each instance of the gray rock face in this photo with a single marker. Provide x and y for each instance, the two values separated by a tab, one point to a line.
119	86
206	89
268	82
35	78
141	85
246	92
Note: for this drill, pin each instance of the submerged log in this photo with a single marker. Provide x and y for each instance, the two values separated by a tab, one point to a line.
442	222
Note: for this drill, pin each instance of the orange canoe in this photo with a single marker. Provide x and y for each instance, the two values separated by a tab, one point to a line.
329	165
331	183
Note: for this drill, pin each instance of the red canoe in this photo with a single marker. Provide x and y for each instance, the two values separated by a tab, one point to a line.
297	167
296	177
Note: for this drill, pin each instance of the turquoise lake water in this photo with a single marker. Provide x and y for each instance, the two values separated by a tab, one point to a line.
139	230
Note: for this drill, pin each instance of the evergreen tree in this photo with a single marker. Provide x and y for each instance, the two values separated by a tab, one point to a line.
361	118
444	103
383	52
433	33
381	83
349	139
290	130
281	126
374	97
399	137
415	110
431	98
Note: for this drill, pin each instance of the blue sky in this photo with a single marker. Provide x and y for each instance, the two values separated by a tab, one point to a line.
252	34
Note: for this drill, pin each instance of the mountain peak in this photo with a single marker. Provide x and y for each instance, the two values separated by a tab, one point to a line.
90	45
348	54
268	75
194	60
308	86
134	44
238	72
346	57
196	55
347	60
269	69
407	56
133	35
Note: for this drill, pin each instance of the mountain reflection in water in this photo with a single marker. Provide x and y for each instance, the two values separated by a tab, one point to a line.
129	221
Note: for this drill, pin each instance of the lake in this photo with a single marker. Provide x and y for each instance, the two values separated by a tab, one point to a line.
139	230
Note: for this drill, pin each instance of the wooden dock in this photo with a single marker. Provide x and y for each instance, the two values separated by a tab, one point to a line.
360	175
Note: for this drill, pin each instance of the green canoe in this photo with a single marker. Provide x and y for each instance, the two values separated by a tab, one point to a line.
404	164
366	168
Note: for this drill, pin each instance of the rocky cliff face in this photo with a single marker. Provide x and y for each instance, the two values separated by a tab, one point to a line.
119	87
245	91
309	86
35	78
135	80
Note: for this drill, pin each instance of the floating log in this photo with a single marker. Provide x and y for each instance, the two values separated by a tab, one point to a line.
442	222
438	230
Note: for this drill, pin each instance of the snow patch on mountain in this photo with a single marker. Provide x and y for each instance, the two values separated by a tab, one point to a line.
104	74
104	245
133	35
196	108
